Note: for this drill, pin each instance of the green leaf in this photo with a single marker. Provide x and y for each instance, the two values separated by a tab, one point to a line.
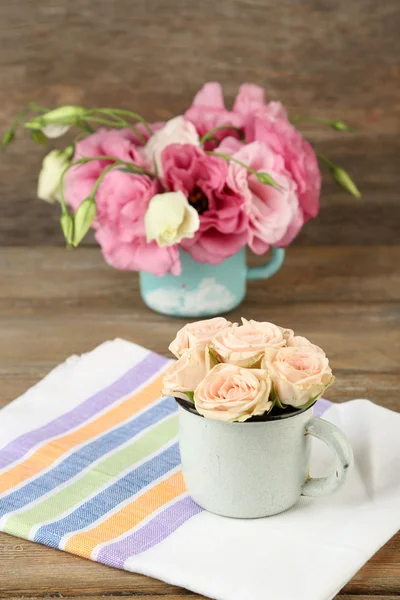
213	355
190	395
38	137
8	137
275	399
310	402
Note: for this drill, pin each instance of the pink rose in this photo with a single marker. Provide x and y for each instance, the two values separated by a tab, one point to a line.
273	213
245	344
231	393
300	374
223	223
197	334
299	161
185	374
208	111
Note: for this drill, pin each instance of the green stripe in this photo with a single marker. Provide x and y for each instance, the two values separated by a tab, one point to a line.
20	524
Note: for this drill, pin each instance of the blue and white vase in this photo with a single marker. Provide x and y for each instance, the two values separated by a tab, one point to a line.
204	290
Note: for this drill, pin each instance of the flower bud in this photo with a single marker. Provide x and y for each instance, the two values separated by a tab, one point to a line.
266	179
67	226
84	217
56	122
345	181
340	126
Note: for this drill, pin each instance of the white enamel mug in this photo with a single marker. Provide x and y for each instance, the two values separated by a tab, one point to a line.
257	468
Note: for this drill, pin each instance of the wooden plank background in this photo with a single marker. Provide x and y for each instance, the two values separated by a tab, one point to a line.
338	59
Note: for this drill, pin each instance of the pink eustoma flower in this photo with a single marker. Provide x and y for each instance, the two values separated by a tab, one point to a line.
122	200
202	178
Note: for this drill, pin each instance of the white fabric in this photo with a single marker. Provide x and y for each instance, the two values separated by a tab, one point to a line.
307	553
68	385
311	551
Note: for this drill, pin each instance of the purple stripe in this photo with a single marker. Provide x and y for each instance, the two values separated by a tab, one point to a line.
321	406
151	534
132	379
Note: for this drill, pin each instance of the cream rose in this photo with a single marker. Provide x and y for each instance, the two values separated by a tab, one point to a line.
299	340
232	393
175	131
199	333
170	218
185	374
300	374
245	344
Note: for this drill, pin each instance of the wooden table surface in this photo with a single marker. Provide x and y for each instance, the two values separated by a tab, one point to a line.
55	303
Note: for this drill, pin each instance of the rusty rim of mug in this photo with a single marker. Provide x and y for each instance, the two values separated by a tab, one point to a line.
276	413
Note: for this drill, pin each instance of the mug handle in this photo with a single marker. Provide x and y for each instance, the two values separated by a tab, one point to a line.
270	268
337	441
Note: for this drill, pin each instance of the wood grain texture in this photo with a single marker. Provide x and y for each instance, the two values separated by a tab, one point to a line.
27	569
54	303
332	59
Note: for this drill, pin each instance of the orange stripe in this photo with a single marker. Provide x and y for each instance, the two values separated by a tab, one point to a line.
45	456
126	518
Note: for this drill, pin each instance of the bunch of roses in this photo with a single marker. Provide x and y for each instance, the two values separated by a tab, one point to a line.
205	195
233	372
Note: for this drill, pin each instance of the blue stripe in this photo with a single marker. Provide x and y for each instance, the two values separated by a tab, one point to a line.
83	457
108	499
129	381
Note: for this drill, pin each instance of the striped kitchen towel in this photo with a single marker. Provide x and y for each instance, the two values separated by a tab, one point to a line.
89	464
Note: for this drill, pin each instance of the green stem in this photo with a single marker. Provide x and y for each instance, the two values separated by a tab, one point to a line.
36	107
258	174
209	134
116	162
337	125
298	118
18	118
128	113
326	161
228	158
101	121
117	122
128	165
100	179
125	123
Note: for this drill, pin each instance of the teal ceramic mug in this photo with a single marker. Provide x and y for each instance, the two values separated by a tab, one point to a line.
204	290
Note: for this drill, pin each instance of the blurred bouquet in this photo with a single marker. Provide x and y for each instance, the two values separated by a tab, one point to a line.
233	372
210	181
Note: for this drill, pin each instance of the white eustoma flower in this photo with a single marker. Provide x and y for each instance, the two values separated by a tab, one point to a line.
170	218
175	131
49	177
52	131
